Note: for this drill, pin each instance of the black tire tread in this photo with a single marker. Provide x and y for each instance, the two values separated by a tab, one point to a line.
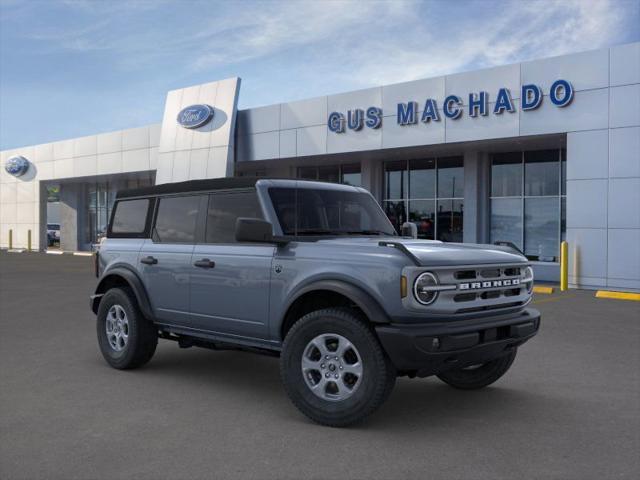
146	338
489	373
383	388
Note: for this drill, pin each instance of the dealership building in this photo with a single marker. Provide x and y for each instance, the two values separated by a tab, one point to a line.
531	153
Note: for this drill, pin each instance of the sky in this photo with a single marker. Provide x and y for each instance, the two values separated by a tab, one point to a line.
70	68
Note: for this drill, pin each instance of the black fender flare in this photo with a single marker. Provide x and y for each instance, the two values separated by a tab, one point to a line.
134	282
363	300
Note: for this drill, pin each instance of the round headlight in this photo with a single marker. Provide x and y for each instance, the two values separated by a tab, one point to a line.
422	288
528	279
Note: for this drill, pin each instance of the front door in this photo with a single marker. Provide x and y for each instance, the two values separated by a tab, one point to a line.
165	260
230	281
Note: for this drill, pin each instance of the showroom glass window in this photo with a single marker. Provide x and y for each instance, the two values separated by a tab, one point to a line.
347	174
528	201
427	192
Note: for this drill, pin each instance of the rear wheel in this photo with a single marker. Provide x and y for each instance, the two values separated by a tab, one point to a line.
126	338
478	376
334	369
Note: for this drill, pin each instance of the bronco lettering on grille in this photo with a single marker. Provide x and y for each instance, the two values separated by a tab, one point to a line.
489	284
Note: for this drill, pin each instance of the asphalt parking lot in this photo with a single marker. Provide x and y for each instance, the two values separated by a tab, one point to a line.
568	409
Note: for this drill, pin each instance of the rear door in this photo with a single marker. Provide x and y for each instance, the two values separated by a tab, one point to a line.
230	281
165	259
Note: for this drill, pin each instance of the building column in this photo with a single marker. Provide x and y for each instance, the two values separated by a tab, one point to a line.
71	215
371	171
476	221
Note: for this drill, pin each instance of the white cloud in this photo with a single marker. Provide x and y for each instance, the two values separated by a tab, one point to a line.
287	26
521	31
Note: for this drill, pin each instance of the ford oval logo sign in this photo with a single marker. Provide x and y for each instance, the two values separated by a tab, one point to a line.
195	116
17	166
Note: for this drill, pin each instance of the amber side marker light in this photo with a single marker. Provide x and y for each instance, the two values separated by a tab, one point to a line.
403	286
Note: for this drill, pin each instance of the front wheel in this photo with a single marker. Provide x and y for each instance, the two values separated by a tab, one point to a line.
478	376
334	369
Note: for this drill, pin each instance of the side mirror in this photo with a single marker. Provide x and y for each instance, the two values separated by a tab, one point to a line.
409	229
253	230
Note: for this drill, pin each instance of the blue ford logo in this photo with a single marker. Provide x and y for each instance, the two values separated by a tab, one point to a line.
195	116
17	166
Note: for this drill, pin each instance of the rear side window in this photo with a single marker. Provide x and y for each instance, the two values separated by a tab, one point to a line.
130	217
176	219
224	210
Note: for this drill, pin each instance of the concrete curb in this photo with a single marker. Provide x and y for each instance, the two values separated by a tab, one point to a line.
542	289
635	297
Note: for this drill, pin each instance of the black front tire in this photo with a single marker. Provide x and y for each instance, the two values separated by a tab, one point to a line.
479	376
142	334
378	377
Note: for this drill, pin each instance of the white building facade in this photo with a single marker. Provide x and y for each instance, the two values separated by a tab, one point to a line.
531	153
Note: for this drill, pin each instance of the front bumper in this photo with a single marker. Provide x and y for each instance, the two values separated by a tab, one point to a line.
428	349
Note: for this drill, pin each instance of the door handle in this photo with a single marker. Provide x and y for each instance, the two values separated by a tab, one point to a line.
149	260
204	263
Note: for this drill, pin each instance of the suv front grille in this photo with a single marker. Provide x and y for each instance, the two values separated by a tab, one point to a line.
481	288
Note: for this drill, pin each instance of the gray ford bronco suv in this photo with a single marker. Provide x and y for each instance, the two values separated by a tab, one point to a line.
313	273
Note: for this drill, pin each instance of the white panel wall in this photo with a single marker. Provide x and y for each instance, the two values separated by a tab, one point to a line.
603	176
118	152
178	145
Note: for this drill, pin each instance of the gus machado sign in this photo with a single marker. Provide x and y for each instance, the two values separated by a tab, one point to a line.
560	95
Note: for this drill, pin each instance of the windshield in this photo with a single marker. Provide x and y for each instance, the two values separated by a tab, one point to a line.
307	211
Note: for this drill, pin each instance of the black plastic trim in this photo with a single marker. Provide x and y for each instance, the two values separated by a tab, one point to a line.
371	308
190	186
134	282
414	348
147	224
403	249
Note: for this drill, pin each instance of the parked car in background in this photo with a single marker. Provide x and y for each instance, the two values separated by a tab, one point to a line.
53	234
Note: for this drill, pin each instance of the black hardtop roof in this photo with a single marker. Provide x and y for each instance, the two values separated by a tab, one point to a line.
190	186
230	183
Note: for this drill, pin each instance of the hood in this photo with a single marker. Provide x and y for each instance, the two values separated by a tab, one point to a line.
434	253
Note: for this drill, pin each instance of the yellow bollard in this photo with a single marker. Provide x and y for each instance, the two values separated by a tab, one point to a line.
29	240
10	239
564	266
